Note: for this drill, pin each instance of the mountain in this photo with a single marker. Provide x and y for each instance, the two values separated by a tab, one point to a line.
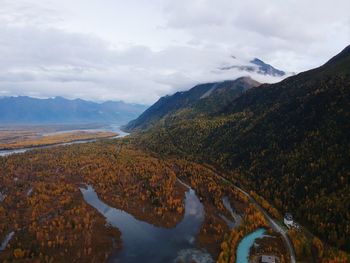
60	110
208	97
255	65
198	100
288	141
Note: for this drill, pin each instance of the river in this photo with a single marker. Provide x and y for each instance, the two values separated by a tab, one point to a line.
144	242
246	243
112	128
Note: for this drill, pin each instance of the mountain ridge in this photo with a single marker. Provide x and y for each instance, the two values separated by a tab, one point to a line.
198	98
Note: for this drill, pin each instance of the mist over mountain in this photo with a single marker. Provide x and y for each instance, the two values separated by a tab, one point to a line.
213	95
255	65
24	109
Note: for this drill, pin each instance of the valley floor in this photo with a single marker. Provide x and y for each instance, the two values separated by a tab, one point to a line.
45	217
36	136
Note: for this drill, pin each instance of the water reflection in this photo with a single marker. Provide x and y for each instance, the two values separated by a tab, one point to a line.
144	242
235	219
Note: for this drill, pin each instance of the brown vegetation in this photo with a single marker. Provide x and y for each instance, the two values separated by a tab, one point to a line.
45	208
309	248
15	140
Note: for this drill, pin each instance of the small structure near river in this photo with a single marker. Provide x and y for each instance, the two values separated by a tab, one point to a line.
268	259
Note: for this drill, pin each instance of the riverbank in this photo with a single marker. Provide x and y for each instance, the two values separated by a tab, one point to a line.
10	142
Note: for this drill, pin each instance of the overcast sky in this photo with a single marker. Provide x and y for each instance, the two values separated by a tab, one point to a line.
139	50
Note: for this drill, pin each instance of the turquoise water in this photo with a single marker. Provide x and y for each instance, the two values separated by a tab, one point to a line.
245	245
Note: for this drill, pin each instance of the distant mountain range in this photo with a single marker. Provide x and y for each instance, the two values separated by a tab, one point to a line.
288	141
60	110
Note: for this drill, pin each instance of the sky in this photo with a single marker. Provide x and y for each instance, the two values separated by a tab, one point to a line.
139	50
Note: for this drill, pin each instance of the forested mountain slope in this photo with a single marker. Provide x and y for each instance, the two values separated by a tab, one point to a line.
287	141
201	99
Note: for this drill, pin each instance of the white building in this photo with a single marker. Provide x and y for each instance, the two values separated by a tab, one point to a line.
268	259
288	220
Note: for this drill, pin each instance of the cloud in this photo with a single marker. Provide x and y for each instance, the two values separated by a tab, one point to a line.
26	12
308	32
50	62
50	49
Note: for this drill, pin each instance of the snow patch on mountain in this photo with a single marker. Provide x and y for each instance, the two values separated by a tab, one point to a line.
255	68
